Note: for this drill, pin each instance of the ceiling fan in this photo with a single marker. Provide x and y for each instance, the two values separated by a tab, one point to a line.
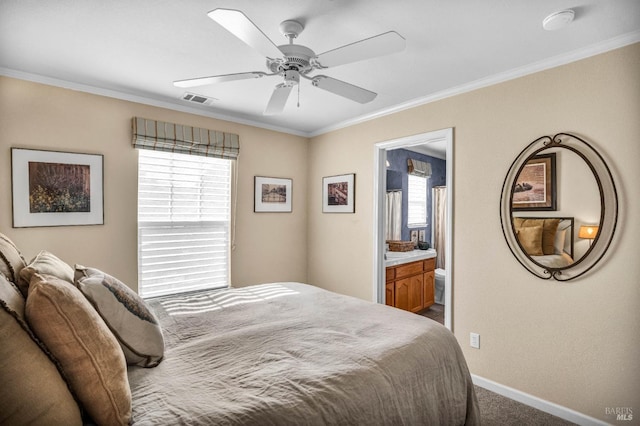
294	61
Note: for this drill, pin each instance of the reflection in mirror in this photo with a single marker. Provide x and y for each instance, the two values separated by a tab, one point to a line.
555	188
576	196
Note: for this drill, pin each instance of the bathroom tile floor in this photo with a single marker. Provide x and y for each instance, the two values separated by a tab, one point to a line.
434	312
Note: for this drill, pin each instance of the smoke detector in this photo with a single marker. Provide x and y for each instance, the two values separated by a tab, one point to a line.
558	20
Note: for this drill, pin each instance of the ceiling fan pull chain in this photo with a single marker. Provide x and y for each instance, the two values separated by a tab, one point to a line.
298	96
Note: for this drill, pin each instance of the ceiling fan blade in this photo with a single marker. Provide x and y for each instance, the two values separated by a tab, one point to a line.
380	45
201	81
278	99
240	26
343	89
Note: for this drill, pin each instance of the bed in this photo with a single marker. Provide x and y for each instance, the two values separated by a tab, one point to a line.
80	347
547	240
290	353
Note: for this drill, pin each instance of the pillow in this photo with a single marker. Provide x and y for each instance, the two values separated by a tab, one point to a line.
32	391
128	316
530	238
549	228
558	244
88	353
11	261
44	263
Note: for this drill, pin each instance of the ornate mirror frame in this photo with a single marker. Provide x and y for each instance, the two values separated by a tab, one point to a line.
608	206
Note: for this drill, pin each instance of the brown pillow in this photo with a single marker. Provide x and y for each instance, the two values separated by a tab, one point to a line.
44	263
530	238
130	319
32	390
11	260
549	229
88	352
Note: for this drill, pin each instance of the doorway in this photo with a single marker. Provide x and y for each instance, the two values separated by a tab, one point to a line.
445	137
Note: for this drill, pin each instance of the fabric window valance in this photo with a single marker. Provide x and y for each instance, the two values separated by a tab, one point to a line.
161	136
418	168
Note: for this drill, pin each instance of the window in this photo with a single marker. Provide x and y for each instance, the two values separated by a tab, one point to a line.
184	210
417	202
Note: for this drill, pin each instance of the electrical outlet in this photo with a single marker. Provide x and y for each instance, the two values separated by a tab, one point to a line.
474	340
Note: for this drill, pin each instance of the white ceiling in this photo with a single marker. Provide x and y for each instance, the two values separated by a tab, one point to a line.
136	49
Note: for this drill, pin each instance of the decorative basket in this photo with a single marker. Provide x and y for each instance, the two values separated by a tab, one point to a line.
395	245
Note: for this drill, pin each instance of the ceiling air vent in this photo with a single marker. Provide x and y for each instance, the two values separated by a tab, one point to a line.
197	99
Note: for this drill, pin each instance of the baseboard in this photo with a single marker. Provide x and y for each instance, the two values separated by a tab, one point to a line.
538	403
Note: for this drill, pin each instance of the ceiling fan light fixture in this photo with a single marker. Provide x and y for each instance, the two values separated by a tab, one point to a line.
291	77
558	20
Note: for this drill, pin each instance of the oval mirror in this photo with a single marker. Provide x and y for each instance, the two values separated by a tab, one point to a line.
559	207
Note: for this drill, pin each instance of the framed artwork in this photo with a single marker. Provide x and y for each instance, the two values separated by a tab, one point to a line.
52	188
339	194
535	186
414	237
272	195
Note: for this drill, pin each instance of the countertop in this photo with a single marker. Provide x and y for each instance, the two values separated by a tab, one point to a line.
393	258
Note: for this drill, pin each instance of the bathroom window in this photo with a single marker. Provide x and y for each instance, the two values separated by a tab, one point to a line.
417	202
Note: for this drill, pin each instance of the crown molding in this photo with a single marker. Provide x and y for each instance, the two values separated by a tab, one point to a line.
553	62
37	78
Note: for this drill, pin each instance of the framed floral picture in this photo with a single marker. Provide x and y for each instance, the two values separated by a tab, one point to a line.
52	188
339	194
272	195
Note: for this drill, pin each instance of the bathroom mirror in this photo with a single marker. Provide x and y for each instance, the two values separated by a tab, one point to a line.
556	190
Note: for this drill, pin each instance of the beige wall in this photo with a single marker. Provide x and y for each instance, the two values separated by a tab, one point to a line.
575	344
268	246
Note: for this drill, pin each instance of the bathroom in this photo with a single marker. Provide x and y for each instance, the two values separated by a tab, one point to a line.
430	163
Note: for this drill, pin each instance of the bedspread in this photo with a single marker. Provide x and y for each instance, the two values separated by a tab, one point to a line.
294	354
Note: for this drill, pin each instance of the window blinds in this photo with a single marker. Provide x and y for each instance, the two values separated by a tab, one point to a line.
184	204
417	201
161	136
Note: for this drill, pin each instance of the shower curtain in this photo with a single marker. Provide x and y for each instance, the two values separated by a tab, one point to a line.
393	222
439	235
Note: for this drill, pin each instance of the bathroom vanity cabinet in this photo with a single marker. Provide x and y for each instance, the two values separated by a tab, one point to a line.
411	286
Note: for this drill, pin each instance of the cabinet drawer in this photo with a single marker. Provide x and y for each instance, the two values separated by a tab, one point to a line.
430	264
408	269
391	274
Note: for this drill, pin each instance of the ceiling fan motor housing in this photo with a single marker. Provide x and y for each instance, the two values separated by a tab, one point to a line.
295	57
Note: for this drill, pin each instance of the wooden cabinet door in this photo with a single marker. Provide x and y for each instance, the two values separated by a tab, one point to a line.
428	292
389	298
415	293
401	296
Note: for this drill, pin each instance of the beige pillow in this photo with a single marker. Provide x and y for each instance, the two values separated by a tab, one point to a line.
11	260
88	352
32	390
530	238
128	316
48	264
549	229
